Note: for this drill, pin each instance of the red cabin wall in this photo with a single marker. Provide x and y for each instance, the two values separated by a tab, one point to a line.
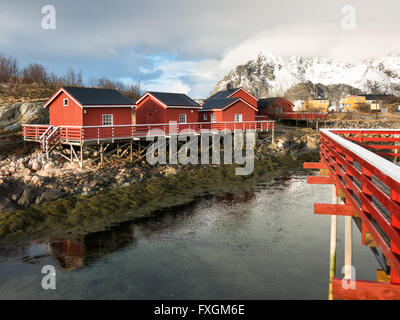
160	114
248	114
270	110
149	105
246	97
72	115
121	116
172	114
228	115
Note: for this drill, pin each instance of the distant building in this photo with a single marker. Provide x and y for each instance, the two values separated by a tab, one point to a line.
272	107
352	103
320	105
376	106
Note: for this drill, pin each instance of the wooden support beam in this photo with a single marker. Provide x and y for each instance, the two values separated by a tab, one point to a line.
333	209
366	290
332	254
369	240
381	276
324	172
314	165
340	193
319	180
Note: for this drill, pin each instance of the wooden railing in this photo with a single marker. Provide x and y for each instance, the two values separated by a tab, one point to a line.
84	133
302	116
385	143
371	187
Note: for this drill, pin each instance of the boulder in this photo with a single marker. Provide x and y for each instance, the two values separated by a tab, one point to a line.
49	165
49	195
6	205
27	196
35	180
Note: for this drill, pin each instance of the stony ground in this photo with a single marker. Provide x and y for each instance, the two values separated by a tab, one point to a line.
31	179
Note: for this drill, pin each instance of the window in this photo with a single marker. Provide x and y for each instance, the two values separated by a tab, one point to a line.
107	119
65	102
278	109
205	116
213	118
182	118
238	117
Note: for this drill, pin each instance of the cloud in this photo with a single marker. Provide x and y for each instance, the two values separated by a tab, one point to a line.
197	42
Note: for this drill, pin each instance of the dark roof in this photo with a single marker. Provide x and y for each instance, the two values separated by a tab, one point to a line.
174	99
264	103
95	96
384	97
223	94
218	103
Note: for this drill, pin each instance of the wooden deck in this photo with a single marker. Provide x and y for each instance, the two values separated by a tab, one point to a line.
100	134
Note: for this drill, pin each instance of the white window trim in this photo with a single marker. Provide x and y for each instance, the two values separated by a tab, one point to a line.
102	120
205	116
240	117
67	102
182	114
213	117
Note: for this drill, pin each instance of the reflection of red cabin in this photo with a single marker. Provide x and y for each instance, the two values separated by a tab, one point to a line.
229	105
272	107
163	107
71	106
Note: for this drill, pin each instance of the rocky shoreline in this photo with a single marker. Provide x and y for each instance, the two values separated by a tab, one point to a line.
31	187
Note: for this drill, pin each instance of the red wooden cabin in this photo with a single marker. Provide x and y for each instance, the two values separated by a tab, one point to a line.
235	93
71	106
233	110
272	107
164	107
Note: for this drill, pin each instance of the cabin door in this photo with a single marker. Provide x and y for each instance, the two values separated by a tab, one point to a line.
150	117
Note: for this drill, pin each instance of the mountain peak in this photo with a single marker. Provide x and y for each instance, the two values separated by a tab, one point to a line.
270	75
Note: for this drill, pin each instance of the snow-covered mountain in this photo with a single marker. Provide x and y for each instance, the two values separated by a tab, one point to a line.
269	75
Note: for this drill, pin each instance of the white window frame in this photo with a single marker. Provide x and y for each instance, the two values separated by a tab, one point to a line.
185	118
238	117
111	120
213	117
65	102
205	116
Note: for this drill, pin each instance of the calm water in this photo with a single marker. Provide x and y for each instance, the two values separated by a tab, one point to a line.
263	243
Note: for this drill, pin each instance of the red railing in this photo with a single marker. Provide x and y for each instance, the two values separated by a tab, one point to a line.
34	131
302	116
385	143
372	188
75	133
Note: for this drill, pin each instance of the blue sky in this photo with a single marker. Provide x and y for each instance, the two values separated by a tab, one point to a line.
187	46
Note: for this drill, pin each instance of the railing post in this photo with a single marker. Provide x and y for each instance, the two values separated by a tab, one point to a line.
395	222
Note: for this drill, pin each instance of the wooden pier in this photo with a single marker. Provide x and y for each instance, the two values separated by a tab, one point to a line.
360	164
123	135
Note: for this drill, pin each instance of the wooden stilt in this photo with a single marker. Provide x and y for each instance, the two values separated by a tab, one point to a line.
332	260
131	151
101	154
348	244
81	161
273	134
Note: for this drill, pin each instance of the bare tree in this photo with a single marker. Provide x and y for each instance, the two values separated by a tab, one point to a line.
130	90
35	73
8	69
73	78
